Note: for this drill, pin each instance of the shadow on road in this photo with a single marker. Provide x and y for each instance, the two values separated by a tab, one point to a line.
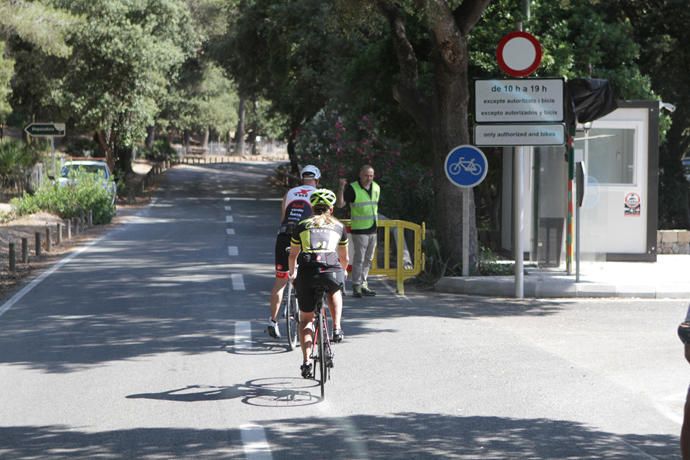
400	436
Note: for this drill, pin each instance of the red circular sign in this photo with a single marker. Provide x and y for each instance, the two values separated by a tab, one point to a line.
519	54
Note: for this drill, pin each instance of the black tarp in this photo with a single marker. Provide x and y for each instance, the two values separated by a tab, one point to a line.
588	99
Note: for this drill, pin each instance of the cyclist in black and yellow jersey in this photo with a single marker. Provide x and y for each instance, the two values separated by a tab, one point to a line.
319	247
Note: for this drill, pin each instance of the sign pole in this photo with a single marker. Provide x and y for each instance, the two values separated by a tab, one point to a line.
518	193
466	231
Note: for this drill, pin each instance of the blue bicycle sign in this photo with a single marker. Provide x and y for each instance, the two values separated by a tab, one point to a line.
466	166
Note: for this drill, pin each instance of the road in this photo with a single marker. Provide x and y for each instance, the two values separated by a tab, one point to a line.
150	344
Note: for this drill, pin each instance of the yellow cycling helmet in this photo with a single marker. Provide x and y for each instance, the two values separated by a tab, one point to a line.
322	197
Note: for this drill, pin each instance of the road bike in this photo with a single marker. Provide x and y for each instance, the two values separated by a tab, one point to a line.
321	350
471	166
291	315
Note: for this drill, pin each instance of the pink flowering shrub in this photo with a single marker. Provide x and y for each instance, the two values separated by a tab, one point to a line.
340	145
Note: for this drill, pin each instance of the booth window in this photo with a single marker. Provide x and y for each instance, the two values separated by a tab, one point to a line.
610	154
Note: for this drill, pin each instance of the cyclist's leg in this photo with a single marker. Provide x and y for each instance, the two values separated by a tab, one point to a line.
335	298
306	301
281	263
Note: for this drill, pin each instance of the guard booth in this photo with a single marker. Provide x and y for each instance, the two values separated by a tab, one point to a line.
618	216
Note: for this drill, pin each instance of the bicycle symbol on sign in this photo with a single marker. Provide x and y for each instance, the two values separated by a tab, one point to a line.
470	166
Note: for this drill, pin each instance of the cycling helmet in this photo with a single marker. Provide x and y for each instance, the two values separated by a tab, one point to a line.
310	171
322	197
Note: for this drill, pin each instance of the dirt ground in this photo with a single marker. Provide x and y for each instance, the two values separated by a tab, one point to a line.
14	230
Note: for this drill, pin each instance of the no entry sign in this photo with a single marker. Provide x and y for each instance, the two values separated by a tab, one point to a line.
518	54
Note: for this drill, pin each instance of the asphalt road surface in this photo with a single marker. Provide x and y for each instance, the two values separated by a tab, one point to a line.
150	343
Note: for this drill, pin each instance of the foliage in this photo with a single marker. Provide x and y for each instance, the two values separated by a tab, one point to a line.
83	192
38	23
340	144
6	72
161	150
17	159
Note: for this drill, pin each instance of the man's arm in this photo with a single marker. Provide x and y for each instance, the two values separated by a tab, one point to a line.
340	199
283	205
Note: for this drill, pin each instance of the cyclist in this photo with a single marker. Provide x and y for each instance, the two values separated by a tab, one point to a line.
319	246
295	208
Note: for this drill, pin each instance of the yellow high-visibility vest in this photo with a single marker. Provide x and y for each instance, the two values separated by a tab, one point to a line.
364	210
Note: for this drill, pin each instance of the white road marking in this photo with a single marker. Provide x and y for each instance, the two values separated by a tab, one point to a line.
353	436
229	219
254	442
243	334
228	208
230	231
237	281
232	251
19	295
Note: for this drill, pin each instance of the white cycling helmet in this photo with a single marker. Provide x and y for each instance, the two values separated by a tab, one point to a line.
310	171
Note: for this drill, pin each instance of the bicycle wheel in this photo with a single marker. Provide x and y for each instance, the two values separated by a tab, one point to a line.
323	369
291	317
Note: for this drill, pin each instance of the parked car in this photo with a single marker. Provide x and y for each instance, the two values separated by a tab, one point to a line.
92	167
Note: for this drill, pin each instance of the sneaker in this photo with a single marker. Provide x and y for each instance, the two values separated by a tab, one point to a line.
273	329
338	335
357	291
305	369
368	292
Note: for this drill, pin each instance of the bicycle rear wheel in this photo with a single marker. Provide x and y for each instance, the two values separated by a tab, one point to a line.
322	337
291	317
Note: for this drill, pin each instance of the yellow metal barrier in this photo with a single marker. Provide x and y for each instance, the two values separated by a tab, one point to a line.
402	270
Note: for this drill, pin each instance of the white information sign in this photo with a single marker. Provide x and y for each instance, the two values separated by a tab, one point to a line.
538	100
516	134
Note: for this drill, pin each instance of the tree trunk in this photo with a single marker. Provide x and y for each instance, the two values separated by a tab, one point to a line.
449	130
150	136
207	133
124	160
239	133
291	151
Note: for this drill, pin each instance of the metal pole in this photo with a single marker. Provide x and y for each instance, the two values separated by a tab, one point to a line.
52	149
466	231
518	222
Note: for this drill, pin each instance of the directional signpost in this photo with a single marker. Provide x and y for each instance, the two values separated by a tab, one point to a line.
47	129
466	166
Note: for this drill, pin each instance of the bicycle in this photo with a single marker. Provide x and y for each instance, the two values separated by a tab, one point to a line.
466	165
321	351
291	315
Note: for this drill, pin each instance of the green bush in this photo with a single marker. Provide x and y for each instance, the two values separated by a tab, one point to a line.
84	192
161	150
16	162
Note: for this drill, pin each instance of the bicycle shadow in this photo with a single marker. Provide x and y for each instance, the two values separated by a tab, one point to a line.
263	392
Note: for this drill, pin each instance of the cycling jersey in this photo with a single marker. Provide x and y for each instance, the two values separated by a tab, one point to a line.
297	207
319	243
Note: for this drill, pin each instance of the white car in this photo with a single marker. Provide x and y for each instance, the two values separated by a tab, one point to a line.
92	167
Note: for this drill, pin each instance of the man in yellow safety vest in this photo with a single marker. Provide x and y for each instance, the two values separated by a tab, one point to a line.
363	198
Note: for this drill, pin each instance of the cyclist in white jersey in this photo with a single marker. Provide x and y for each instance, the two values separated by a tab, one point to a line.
295	207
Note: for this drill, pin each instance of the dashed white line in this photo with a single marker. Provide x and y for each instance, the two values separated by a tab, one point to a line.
237	281
243	334
229	219
233	251
254	442
228	208
230	231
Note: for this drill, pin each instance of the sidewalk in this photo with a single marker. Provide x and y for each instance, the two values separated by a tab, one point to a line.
668	278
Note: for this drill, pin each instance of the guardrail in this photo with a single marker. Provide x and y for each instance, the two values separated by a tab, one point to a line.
406	264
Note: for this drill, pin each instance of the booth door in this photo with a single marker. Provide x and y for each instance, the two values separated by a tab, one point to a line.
613	216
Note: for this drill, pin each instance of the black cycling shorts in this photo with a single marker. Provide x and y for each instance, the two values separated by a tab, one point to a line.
310	282
282	252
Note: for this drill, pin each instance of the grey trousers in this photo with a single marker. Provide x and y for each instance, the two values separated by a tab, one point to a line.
364	247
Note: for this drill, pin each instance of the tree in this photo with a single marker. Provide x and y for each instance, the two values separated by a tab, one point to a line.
661	30
440	108
125	54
